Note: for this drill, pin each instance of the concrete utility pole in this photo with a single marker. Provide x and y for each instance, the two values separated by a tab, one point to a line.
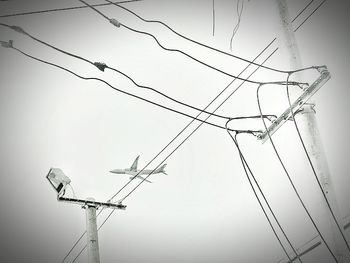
311	135
91	233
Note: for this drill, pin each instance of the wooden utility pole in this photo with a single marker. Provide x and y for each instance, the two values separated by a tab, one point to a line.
311	135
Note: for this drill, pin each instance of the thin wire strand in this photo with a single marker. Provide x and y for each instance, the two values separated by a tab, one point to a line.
313	169
65	9
213	17
185	54
104	66
288	176
239	15
302	11
245	167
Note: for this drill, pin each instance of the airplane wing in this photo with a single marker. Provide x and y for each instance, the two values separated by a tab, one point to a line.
134	165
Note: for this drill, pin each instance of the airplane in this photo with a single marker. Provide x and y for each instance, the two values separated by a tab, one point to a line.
136	173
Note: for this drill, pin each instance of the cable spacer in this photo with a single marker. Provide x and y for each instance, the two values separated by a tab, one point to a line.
18	29
100	66
114	22
7	44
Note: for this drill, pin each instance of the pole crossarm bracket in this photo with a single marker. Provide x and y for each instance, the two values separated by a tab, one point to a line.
297	105
85	203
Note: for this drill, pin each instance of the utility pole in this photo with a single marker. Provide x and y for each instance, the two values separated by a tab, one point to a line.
311	135
91	233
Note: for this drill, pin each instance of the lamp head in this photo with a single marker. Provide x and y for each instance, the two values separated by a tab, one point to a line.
58	180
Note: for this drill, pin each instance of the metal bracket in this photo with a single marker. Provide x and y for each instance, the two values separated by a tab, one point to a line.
297	105
85	203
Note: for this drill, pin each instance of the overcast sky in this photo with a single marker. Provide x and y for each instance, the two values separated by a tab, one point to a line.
204	209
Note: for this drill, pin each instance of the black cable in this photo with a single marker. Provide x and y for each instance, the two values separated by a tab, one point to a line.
313	169
204	45
184	53
102	67
307	18
65	9
245	167
289	178
302	11
124	92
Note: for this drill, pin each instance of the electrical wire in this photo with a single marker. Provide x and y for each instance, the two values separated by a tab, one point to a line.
302	11
102	67
245	167
239	15
313	168
124	92
199	43
307	18
288	176
119	24
252	63
65	9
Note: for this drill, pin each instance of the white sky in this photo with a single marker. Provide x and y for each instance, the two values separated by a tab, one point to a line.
204	210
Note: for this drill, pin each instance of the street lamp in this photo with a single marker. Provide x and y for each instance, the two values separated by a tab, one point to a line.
60	181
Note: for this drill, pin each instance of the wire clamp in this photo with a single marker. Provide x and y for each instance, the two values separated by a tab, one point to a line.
7	44
18	29
100	66
114	22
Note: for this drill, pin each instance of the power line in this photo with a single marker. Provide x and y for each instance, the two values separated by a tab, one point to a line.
302	11
201	44
313	168
252	63
245	167
124	92
102	67
289	178
65	9
119	24
307	18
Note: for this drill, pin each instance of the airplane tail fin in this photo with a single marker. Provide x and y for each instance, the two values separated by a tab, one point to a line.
161	169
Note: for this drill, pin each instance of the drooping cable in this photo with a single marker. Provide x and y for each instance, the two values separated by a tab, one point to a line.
288	176
65	9
103	66
313	168
119	24
204	45
247	168
239	16
119	90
